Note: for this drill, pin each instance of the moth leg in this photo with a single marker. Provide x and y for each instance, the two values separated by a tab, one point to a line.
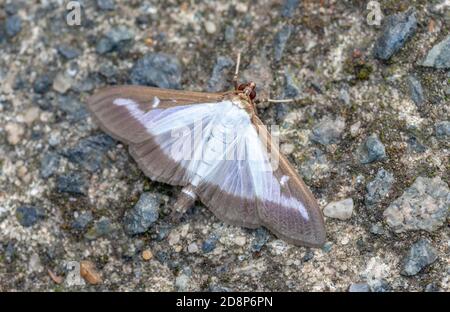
236	72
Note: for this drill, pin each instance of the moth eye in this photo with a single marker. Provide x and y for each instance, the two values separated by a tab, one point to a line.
242	86
253	94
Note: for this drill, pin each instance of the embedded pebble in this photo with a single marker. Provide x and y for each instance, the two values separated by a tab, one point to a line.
218	80
31	115
83	219
280	41
442	130
341	210
13	25
439	55
29	215
210	27
42	83
106	5
15	132
328	131
421	255
158	70
423	206
62	83
49	164
379	188
68	52
371	150
416	90
146	211
359	287
72	183
288	8
398	29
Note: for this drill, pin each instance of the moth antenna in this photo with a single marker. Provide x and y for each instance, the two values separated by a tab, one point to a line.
236	72
279	101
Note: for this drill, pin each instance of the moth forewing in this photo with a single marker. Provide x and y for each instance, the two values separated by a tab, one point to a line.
289	209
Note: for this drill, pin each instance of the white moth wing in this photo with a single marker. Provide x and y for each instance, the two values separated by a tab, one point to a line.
154	123
225	184
251	191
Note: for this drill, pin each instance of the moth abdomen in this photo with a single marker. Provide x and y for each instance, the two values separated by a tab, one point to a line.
185	200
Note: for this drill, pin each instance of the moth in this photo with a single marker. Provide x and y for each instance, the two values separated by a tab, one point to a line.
228	166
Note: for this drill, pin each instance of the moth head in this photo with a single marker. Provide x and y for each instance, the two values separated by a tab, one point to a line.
248	89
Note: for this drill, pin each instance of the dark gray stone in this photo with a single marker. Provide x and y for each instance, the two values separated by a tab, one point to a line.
380	286
281	109
49	164
29	215
230	34
162	231
2	35
327	247
289	7
82	221
261	238
309	255
104	45
291	86
86	85
42	83
379	188
421	255
10	252
359	287
108	71
414	145
68	52
371	150
157	70
120	35
443	130
315	166
119	38
72	107
344	96
328	131
397	30
13	25
219	288
72	183
416	90
377	229
143	215
11	8
106	5
89	152
210	243
101	228
280	40
218	80
432	287
439	55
